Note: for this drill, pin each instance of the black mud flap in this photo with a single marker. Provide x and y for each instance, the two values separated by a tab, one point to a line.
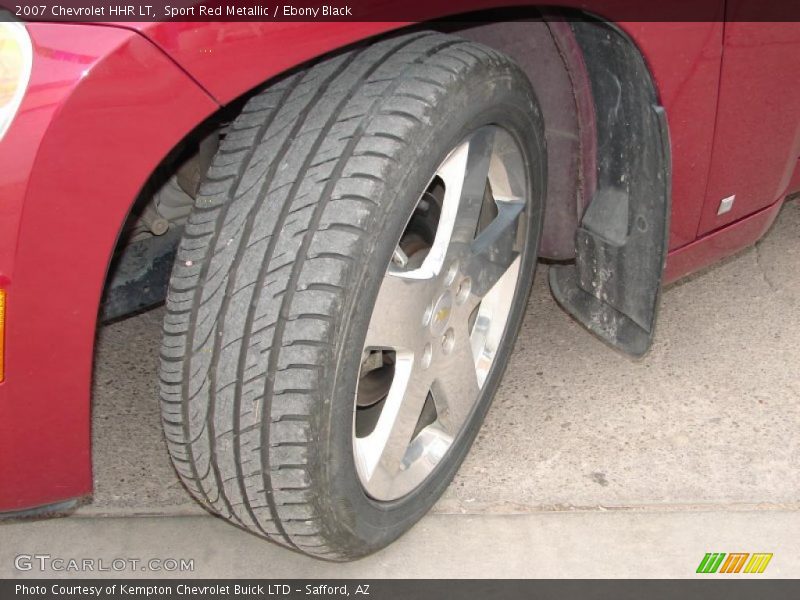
621	245
139	275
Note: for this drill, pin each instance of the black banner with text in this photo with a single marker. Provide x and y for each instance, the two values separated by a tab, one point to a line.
391	10
422	589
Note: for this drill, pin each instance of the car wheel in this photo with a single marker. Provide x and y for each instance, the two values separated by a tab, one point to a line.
348	290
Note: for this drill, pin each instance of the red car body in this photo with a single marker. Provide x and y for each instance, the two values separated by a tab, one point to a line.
107	102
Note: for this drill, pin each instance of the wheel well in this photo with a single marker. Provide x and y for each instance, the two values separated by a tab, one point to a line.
548	53
141	262
550	46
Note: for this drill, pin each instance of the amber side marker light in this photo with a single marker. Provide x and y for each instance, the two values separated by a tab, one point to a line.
2	334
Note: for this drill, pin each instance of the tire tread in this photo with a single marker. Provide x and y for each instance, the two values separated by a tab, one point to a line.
261	272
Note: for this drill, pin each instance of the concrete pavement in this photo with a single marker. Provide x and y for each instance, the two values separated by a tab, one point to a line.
537	545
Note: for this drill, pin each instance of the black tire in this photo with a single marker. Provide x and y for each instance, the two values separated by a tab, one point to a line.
282	258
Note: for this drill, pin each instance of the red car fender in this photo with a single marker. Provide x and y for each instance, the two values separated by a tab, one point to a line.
103	107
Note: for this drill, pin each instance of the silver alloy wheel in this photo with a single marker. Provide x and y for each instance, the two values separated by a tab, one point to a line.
441	317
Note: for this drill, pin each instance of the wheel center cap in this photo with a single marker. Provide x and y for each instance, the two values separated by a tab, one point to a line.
442	310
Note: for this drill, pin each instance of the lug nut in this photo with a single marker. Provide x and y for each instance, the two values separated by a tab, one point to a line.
426	316
464	288
427	355
448	341
451	274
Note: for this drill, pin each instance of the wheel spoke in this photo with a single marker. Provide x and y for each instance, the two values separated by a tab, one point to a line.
397	316
493	252
473	191
490	322
381	453
455	387
464	174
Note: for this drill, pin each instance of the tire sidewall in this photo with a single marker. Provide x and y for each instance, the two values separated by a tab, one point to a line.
494	93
